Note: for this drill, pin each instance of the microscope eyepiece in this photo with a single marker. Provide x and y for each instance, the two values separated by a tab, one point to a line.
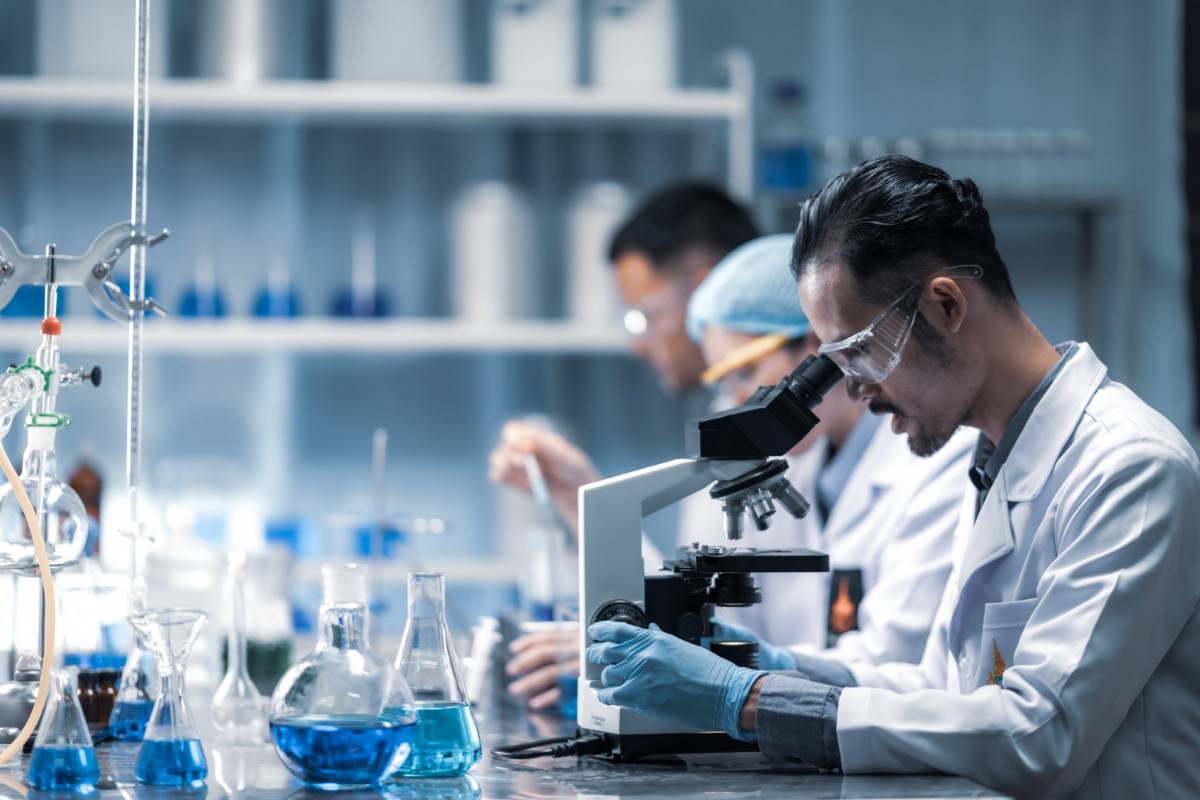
813	379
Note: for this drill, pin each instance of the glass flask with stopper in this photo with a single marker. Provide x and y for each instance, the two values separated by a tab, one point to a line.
239	712
447	738
341	717
171	754
63	757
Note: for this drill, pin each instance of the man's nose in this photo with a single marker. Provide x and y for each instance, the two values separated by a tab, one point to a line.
860	391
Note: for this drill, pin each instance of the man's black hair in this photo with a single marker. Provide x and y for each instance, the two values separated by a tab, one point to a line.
680	217
892	221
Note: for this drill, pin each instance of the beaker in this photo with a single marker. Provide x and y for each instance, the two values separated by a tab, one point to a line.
63	757
447	738
341	717
239	712
171	754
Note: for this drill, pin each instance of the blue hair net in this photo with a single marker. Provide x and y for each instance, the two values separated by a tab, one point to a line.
752	291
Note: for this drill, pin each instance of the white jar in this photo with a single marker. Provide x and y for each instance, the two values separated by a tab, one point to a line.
593	215
633	44
535	43
416	41
491	253
94	39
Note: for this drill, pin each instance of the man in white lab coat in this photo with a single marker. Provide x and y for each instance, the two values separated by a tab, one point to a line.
885	516
1064	654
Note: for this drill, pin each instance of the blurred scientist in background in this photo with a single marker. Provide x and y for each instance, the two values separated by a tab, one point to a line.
885	516
659	256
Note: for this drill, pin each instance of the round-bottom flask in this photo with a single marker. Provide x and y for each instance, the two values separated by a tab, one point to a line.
340	716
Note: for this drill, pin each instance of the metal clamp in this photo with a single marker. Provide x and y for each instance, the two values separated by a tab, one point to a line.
92	270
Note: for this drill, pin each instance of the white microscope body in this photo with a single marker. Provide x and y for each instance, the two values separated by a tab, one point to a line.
738	453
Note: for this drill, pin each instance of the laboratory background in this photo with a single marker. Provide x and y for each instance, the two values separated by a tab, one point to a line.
388	236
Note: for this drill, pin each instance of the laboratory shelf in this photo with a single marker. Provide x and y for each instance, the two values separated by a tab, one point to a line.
328	336
339	101
461	571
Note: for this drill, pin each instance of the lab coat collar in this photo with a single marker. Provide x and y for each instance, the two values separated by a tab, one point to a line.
1051	424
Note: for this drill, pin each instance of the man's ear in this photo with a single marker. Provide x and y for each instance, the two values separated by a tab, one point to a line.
945	305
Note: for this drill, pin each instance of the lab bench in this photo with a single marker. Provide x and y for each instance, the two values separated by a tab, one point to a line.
253	773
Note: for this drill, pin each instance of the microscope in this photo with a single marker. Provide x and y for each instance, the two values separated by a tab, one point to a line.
737	455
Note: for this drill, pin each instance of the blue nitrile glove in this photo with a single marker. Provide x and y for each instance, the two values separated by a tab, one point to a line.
654	673
770	656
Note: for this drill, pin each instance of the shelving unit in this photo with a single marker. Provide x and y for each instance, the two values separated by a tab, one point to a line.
341	103
338	102
331	336
713	125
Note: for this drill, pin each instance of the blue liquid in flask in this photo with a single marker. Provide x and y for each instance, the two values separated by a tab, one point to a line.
63	768
341	751
447	741
171	762
129	718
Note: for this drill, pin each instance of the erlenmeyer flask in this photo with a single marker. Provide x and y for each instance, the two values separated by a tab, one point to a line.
341	717
171	754
63	757
447	740
239	712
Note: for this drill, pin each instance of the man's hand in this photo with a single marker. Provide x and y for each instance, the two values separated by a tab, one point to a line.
661	675
540	659
770	656
747	719
564	465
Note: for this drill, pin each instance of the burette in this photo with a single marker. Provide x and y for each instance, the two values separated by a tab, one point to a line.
137	303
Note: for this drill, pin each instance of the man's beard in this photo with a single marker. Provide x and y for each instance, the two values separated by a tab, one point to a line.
922	441
925	443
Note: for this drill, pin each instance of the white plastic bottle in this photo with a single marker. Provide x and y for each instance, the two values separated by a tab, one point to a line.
634	44
94	39
491	253
395	40
535	43
593	215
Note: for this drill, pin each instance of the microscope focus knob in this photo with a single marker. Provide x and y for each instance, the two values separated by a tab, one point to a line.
621	611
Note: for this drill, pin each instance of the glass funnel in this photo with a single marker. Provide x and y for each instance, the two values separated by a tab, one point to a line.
340	717
447	738
171	754
63	757
239	712
63	517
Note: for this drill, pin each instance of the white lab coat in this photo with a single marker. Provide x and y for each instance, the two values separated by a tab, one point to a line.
1078	584
894	520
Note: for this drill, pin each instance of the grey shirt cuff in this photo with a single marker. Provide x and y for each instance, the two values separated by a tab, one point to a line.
796	719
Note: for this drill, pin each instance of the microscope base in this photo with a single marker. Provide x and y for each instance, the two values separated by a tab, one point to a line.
632	747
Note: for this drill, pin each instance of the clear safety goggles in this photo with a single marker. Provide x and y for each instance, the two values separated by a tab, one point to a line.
654	310
874	352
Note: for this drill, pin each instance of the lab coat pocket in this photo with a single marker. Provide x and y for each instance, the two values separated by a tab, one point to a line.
1003	624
